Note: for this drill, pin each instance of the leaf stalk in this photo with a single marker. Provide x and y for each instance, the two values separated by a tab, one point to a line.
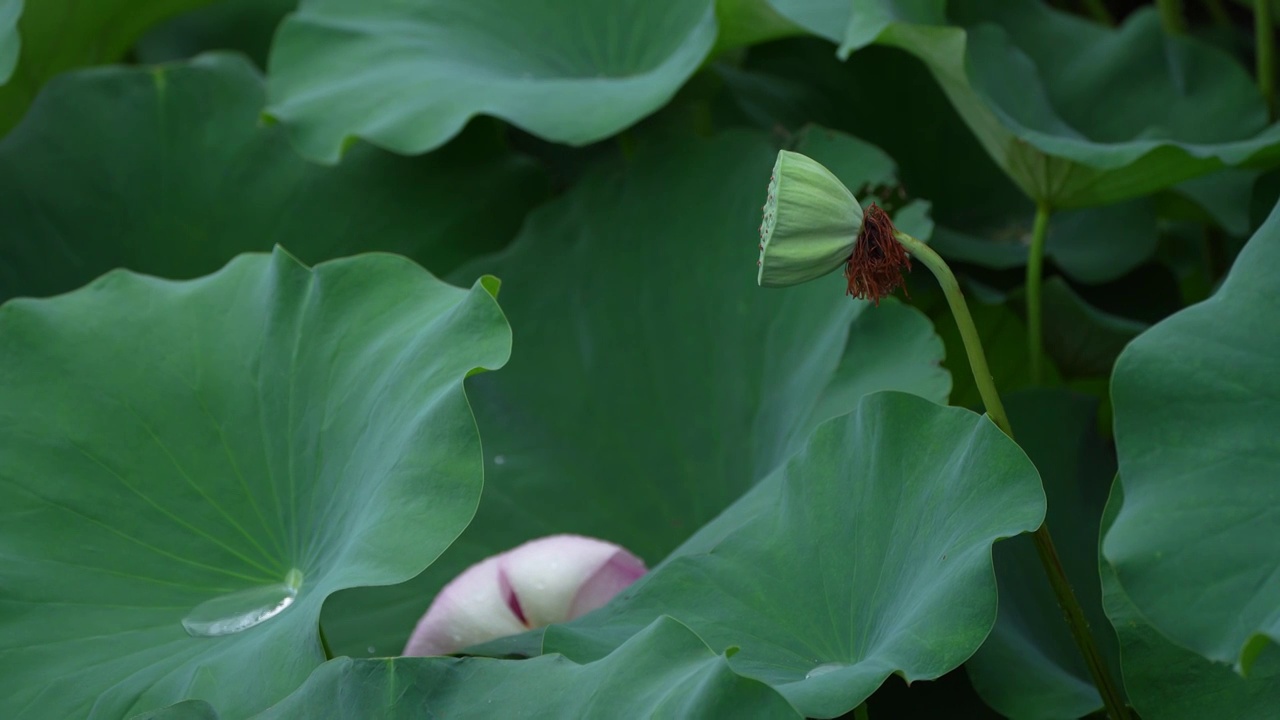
1265	40
964	321
1035	279
1171	16
1217	13
1098	10
1112	699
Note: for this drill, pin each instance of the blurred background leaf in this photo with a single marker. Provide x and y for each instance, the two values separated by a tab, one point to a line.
54	36
246	26
408	75
167	171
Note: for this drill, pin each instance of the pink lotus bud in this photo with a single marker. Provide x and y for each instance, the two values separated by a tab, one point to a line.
549	580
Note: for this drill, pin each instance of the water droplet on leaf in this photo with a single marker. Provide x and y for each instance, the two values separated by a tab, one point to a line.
243	609
823	669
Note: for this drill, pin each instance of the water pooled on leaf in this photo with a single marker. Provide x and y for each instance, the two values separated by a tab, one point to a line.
823	669
243	609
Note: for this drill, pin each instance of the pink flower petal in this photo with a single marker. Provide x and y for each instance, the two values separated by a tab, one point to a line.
471	609
544	581
612	578
550	572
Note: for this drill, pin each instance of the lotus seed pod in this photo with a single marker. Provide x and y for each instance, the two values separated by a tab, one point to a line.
811	222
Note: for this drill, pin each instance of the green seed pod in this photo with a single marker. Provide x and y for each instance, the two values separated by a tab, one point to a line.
811	222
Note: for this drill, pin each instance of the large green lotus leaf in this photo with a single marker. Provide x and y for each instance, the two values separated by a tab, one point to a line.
867	554
654	381
1030	666
185	710
10	41
166	171
177	459
407	75
665	671
1076	113
891	348
1197	406
243	25
1166	680
60	35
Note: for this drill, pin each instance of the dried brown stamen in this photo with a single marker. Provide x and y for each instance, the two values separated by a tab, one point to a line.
875	269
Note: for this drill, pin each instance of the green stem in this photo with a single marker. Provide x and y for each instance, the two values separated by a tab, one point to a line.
1171	16
1035	277
627	144
1099	11
964	321
1265	38
861	712
1071	609
1112	699
1217	13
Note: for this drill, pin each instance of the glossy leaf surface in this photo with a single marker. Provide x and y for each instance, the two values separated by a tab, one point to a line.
639	431
167	171
982	217
10	40
245	26
1077	114
665	671
1030	667
1196	546
42	38
408	75
187	470
1166	680
920	491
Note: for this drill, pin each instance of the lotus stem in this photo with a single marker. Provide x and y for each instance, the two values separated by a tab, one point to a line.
1035	278
1171	16
1098	10
964	321
1217	12
1045	548
1265	39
